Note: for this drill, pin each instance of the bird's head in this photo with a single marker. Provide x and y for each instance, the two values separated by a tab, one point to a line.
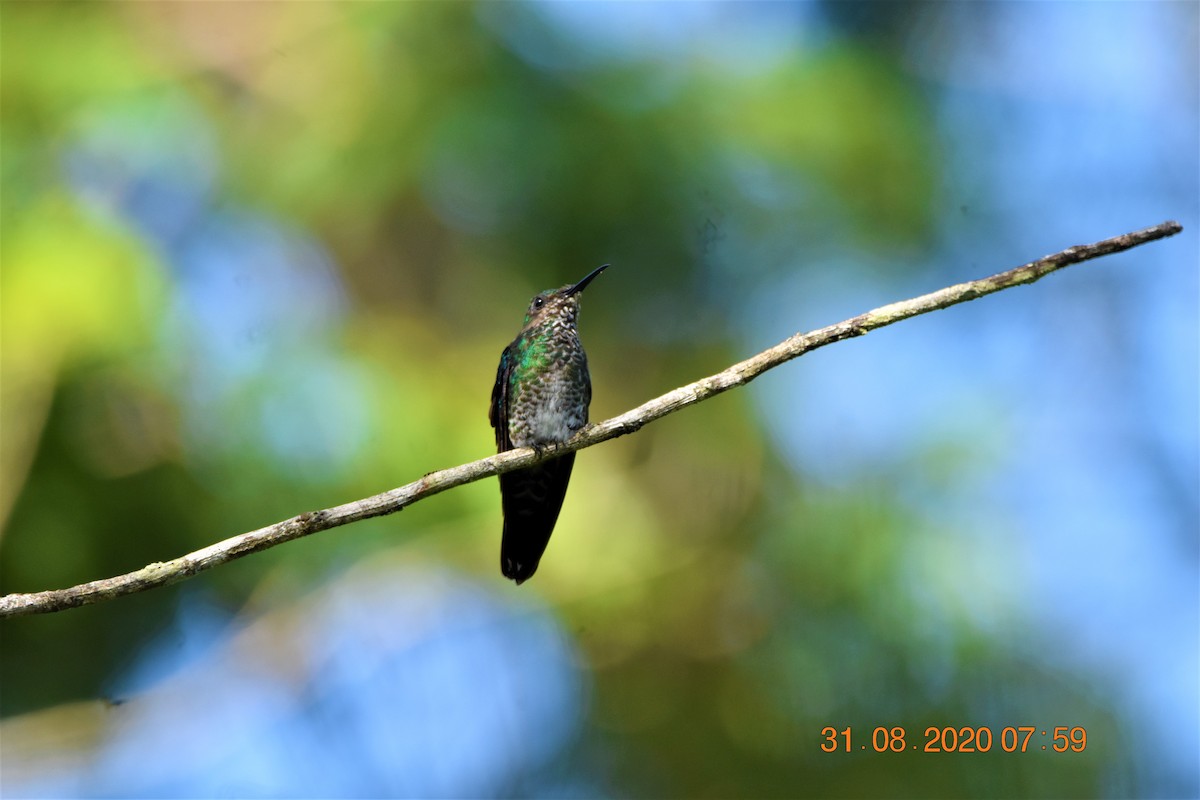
558	306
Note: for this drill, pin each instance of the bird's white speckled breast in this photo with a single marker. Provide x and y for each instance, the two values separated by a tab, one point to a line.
552	406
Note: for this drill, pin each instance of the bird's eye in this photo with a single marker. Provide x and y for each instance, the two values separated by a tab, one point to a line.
538	302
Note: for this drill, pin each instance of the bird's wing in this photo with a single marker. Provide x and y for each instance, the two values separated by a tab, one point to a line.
498	411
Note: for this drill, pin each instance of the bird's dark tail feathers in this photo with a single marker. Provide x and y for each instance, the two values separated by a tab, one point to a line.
532	498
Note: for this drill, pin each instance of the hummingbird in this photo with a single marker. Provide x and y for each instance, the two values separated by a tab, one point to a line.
541	397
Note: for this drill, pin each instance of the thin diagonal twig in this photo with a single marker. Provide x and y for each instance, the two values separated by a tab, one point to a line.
178	569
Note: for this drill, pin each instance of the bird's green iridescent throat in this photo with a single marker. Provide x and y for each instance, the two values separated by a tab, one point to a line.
534	357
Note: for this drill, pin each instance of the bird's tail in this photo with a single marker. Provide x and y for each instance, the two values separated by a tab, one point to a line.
532	498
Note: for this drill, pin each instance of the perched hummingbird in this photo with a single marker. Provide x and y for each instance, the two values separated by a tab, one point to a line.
541	397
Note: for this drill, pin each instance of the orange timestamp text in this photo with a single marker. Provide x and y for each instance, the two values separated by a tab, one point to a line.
1011	739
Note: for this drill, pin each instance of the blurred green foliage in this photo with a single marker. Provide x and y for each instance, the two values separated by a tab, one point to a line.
727	609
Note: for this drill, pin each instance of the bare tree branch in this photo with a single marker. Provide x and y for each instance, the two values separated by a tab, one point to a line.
168	572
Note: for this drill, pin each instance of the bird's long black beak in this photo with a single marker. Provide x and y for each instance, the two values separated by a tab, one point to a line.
579	287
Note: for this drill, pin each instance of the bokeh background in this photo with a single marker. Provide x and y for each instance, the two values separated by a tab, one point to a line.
262	258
